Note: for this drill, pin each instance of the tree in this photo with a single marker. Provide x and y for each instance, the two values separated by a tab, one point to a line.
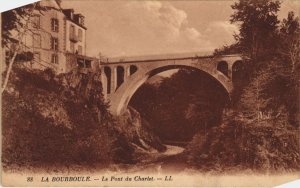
255	100
16	20
289	51
290	40
228	49
257	25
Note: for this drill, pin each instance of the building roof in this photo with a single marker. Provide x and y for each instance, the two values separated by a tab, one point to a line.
74	18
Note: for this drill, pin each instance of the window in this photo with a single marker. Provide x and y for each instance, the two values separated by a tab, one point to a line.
36	40
79	34
72	47
36	21
54	59
81	20
36	57
72	31
54	43
54	24
79	50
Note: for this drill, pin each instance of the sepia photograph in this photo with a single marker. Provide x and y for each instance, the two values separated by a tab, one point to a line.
170	93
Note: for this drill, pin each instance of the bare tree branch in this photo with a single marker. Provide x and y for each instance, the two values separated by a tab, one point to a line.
12	60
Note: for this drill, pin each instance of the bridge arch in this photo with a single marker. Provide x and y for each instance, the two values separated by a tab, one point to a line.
238	71
120	100
132	69
120	75
108	74
237	66
222	66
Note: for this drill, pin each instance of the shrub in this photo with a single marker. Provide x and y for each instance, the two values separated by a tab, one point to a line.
43	125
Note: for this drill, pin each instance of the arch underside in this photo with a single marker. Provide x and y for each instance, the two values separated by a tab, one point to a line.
120	99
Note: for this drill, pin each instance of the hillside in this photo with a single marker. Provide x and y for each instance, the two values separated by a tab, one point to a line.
62	120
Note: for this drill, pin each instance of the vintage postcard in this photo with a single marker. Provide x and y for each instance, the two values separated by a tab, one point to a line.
150	93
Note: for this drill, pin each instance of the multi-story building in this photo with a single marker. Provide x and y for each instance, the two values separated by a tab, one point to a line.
56	38
75	32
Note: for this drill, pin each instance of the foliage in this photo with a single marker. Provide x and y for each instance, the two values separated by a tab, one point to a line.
55	121
228	50
290	41
257	25
267	145
15	20
261	130
63	120
264	92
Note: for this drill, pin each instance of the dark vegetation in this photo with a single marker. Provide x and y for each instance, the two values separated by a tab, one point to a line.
54	120
50	120
260	129
180	106
63	120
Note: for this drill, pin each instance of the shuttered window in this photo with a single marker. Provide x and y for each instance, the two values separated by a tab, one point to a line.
54	24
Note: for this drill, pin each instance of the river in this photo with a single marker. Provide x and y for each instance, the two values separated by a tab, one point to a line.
168	161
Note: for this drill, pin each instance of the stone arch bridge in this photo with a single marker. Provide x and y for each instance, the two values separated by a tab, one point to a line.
122	77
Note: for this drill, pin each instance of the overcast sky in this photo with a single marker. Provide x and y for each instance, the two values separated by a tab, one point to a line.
130	28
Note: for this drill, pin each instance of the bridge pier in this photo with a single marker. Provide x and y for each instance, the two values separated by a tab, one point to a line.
104	83
230	72
113	84
127	73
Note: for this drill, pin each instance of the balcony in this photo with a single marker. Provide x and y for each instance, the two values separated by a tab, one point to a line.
82	63
74	38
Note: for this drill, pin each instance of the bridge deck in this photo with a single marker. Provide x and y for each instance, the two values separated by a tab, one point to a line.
153	58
